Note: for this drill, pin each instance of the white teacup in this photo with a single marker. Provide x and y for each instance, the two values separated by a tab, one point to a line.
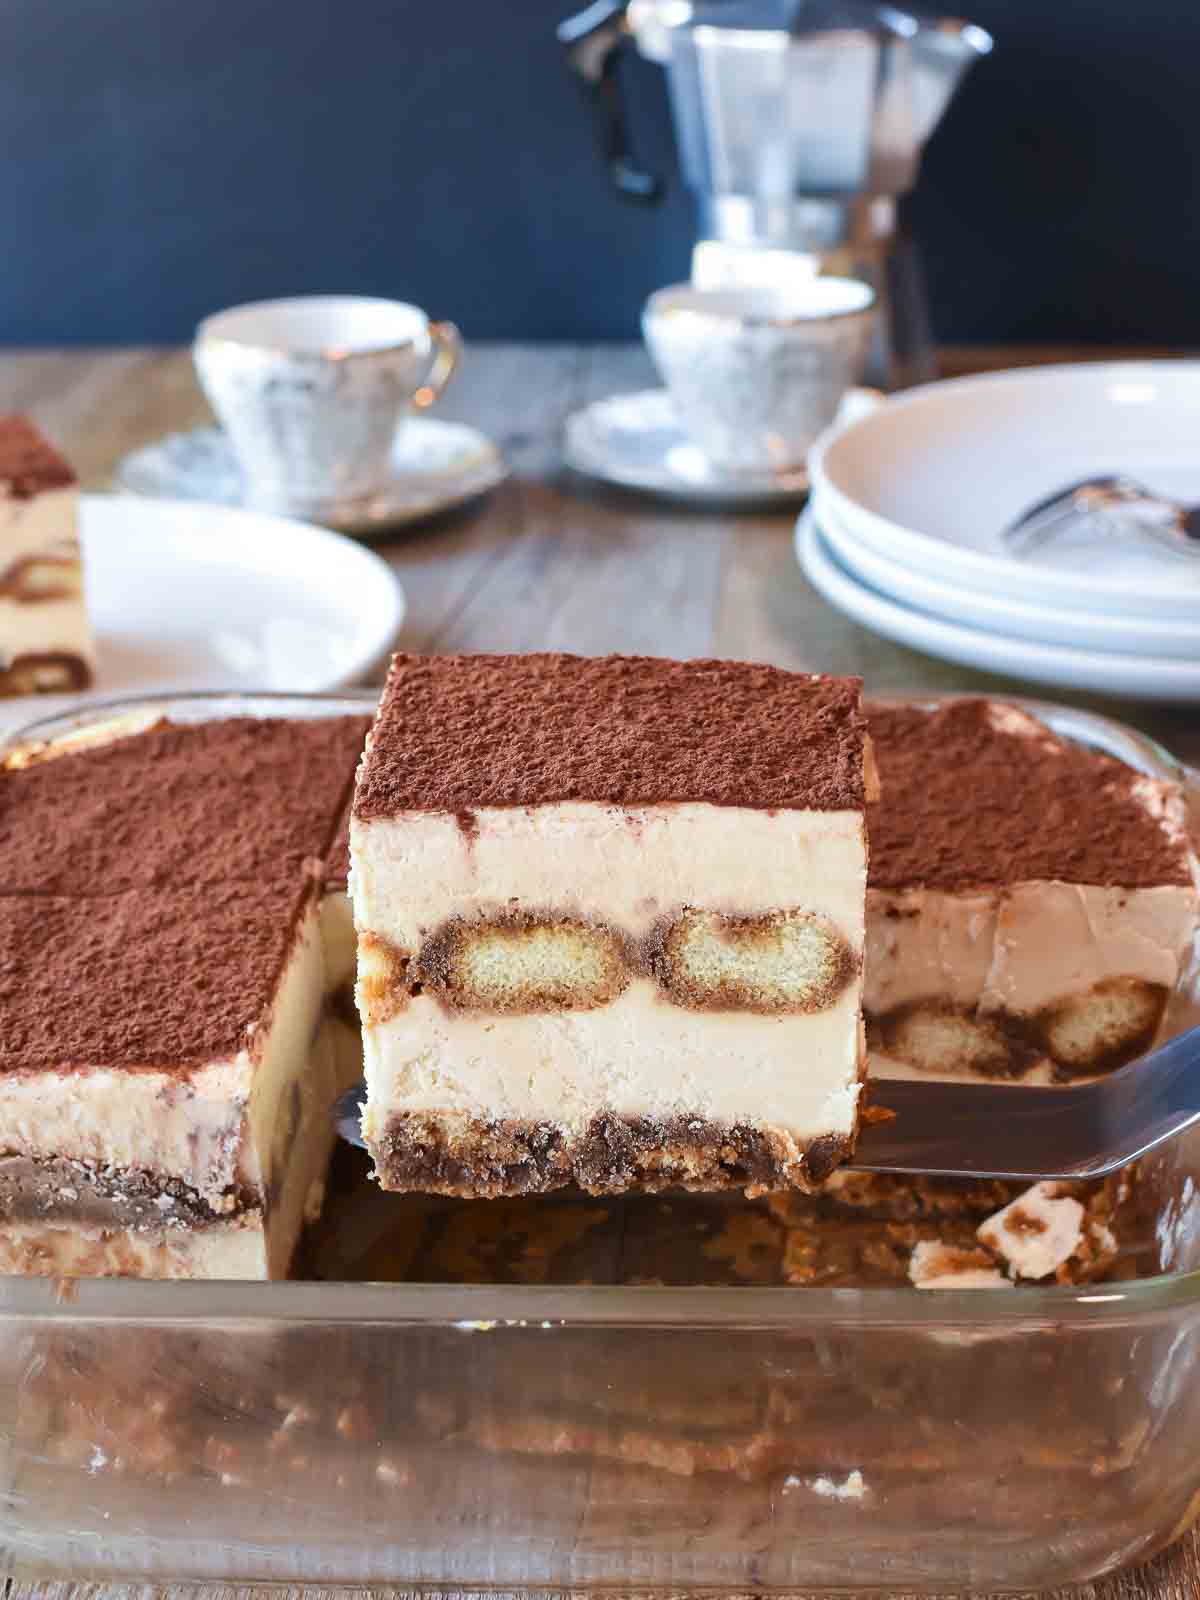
311	390
756	373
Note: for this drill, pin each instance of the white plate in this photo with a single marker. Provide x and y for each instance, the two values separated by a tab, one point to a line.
186	596
636	441
1046	624
931	478
1135	677
435	467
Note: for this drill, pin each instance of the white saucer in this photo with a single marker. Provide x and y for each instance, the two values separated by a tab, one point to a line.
1134	677
185	596
635	441
436	466
1039	620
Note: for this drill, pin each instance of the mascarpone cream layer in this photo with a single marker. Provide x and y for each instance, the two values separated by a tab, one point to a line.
1022	948
625	867
638	1056
57	627
44	524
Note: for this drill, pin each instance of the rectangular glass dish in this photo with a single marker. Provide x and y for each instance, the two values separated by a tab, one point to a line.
500	1436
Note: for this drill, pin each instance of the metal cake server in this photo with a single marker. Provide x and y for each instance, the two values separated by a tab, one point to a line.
1003	1130
1114	504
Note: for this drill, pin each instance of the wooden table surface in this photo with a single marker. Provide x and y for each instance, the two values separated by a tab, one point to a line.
551	561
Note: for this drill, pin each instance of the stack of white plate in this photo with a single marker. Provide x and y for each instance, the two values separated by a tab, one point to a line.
904	531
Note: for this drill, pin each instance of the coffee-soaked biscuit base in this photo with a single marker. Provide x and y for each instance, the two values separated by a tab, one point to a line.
463	1157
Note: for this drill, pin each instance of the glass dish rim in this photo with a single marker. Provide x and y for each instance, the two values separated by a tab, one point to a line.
483	1307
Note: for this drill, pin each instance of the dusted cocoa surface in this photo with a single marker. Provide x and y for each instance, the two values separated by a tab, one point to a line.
459	732
966	802
234	800
166	978
28	462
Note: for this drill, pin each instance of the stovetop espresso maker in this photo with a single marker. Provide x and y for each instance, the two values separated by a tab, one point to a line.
799	124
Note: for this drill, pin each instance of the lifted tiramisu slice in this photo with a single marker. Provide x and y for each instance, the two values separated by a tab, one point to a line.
45	641
167	1049
1031	900
610	924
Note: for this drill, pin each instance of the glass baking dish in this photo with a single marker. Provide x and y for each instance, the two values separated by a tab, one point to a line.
499	1436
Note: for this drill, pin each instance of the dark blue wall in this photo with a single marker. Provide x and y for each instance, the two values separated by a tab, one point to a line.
159	158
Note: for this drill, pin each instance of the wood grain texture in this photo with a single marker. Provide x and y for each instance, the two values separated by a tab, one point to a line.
551	561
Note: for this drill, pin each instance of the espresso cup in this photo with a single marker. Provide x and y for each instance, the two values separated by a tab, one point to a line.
756	373
311	391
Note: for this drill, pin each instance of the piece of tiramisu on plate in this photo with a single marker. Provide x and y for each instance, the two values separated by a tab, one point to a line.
610	924
1030	903
45	641
166	1070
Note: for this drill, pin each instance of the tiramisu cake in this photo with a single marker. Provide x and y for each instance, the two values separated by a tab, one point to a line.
45	641
1030	903
165	1068
610	924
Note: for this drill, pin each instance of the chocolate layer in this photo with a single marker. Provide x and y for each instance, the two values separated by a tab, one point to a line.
968	802
615	1153
459	732
51	1189
165	978
234	800
29	464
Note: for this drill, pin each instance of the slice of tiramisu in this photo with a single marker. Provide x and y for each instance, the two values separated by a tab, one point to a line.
610	922
167	1061
1031	900
45	641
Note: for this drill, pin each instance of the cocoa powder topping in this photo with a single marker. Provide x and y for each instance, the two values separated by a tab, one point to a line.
168	978
976	793
455	733
28	463
241	799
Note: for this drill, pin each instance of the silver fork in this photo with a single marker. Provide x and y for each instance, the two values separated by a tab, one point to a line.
1004	1130
1120	503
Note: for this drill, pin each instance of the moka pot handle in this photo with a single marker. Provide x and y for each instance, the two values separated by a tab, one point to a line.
593	40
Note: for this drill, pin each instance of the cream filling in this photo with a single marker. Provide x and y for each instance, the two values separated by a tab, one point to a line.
624	867
337	939
44	524
42	627
1037	1232
640	1054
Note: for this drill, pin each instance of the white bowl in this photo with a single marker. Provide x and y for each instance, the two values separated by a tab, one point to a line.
931	479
